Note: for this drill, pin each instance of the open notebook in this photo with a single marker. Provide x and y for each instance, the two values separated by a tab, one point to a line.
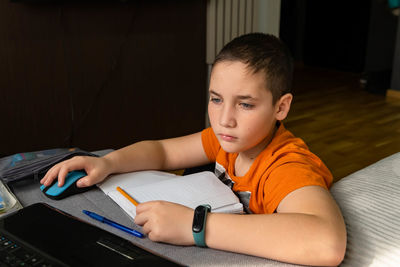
189	190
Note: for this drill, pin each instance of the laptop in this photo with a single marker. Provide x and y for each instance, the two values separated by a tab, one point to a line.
41	235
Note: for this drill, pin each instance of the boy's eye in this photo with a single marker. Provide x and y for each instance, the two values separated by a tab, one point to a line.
246	105
215	100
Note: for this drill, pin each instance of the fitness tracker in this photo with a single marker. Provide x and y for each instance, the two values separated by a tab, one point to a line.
199	224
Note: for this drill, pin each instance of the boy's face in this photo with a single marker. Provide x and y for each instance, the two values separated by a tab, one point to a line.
240	108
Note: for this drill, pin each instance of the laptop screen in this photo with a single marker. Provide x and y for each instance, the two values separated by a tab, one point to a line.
74	242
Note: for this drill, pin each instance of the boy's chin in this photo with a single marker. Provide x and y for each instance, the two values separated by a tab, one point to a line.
230	148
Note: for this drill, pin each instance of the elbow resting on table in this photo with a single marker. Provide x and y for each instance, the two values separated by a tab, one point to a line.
323	245
337	253
331	250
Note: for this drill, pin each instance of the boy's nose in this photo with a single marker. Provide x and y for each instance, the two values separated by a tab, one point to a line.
227	117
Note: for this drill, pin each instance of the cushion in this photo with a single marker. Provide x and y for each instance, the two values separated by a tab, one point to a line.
370	203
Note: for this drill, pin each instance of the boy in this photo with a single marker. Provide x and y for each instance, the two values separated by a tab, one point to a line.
277	178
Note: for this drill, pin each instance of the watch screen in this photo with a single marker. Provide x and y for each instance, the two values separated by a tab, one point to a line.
198	220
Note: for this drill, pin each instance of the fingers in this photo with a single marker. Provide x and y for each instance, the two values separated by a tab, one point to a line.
96	170
159	223
64	170
61	170
142	207
88	180
144	215
51	175
143	219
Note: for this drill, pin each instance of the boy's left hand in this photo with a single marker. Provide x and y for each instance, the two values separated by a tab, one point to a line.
167	222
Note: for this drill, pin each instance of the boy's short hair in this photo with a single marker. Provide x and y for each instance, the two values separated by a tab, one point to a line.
262	52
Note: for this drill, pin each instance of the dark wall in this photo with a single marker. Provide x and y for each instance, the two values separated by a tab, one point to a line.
356	36
381	37
100	75
292	26
336	34
395	82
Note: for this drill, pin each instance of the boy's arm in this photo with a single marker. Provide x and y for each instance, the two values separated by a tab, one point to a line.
168	154
308	228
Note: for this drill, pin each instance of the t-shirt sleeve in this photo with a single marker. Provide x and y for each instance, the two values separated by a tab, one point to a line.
293	175
210	142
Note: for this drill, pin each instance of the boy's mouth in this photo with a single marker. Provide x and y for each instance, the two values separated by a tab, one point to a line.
227	138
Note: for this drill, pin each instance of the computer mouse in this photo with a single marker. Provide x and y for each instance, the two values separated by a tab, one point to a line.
69	188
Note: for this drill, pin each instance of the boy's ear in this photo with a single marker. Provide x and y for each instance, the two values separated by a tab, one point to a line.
282	106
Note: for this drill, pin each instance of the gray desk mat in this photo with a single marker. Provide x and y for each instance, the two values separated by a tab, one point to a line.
28	192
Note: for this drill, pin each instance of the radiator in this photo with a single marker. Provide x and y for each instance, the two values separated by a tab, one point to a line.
227	19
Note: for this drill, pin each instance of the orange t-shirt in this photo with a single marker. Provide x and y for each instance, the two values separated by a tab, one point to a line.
285	165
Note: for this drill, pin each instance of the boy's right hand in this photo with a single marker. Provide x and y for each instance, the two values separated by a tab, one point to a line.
97	170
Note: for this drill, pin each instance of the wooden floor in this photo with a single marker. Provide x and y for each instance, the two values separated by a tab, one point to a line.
346	126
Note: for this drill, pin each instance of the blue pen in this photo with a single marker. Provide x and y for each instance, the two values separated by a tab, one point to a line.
113	224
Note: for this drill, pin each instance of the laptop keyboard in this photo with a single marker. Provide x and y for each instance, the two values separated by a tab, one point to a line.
13	254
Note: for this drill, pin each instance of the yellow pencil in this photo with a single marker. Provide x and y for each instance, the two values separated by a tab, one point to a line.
127	196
